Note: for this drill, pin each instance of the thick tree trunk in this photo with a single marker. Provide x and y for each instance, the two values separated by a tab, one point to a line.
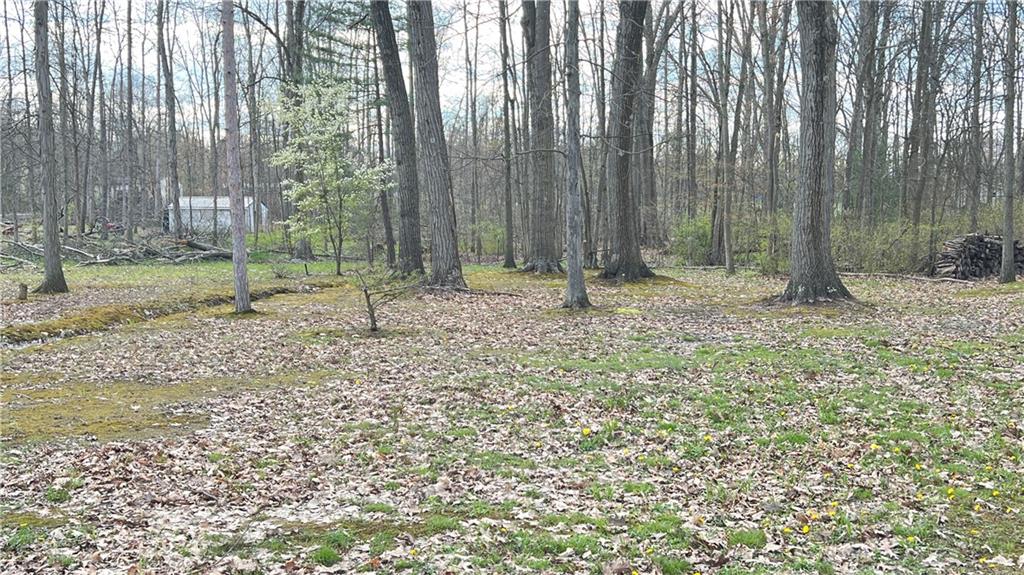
813	276
53	277
506	132
435	169
403	137
625	261
234	160
576	290
1008	272
545	252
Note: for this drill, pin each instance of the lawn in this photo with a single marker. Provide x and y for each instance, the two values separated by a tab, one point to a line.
683	426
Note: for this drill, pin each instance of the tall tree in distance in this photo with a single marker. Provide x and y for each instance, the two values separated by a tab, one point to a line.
129	203
435	168
53	276
172	130
403	140
576	290
1008	271
625	261
506	133
812	275
544	251
234	161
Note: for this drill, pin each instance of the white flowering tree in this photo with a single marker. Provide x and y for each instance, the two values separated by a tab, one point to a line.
332	192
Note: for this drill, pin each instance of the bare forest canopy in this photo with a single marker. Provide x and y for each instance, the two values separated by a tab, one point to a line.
921	136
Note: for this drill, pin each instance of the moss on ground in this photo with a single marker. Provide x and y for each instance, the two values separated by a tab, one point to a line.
34	411
105	317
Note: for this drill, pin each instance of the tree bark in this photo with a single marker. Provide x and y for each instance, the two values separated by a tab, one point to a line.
1008	271
974	186
625	261
435	169
576	289
53	277
403	137
545	253
172	122
813	276
506	132
234	160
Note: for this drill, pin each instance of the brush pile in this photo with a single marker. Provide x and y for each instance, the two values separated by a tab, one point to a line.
974	256
113	252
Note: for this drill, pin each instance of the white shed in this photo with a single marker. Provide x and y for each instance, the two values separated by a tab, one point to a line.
197	214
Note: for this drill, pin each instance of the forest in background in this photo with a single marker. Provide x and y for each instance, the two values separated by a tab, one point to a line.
921	125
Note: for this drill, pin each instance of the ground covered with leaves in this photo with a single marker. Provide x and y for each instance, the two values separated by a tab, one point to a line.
684	426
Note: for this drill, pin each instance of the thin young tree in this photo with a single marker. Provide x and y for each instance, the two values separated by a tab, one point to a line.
812	276
403	140
506	132
172	122
234	160
625	261
576	290
1008	271
53	276
434	166
129	217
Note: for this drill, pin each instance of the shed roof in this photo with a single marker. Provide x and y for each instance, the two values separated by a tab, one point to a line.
206	203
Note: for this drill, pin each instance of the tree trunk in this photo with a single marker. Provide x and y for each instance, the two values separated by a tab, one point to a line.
506	132
129	216
813	276
385	202
1008	272
576	290
234	160
172	122
403	136
545	253
625	261
974	186
53	278
445	267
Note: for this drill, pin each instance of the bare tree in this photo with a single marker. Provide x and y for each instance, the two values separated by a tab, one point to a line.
812	275
53	277
506	130
435	169
172	122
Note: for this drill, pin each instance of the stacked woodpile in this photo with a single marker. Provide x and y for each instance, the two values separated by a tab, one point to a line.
974	256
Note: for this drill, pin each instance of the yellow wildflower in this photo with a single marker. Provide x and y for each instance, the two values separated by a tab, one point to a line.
412	552
787	530
995	493
896	450
977	507
911	538
707	438
875	447
586	431
805	529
